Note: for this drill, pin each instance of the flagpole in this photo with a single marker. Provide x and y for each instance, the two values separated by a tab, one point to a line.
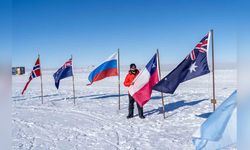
162	98
119	78
73	81
41	78
213	101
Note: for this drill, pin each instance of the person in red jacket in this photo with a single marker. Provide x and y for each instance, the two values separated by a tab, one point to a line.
133	72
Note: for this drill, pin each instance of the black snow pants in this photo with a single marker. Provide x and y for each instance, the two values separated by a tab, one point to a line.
131	107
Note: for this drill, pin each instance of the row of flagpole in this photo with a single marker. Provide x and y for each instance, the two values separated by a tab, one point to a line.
73	80
41	78
213	100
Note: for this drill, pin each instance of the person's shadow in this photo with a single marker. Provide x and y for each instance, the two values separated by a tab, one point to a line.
173	106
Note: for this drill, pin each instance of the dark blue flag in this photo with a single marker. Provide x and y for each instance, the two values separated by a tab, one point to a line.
64	72
194	65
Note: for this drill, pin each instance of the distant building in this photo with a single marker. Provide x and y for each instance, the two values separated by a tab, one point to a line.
18	70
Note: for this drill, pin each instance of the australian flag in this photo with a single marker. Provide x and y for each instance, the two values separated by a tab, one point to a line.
194	65
64	72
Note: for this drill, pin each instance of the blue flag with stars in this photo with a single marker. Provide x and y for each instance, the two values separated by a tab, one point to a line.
63	72
194	65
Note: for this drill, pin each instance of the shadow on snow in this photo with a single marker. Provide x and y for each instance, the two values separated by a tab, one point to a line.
108	96
94	96
204	115
173	106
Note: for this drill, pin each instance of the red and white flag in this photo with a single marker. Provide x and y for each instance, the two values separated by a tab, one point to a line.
141	90
36	72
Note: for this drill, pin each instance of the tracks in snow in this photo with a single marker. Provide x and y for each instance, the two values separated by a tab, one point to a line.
102	125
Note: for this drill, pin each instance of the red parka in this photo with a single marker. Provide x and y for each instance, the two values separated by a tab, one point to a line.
130	77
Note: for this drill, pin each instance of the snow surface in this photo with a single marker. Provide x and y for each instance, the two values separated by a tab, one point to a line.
95	121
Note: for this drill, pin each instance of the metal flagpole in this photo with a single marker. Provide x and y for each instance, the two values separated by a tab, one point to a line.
119	78
213	101
162	98
41	78
73	81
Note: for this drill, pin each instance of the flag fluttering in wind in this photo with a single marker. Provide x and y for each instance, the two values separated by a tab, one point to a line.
63	72
36	72
194	65
141	90
220	129
106	69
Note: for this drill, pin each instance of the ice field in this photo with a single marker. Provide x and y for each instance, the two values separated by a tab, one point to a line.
95	121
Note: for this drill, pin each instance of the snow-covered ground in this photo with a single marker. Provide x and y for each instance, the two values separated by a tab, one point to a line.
95	121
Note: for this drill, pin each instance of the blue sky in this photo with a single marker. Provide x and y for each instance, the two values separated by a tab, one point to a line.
91	30
5	30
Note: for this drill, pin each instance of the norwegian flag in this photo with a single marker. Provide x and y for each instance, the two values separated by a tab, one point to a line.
200	47
36	72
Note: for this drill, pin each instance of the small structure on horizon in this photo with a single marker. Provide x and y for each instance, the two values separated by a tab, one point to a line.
18	70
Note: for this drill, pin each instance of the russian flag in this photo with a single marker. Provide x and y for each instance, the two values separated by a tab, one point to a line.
141	90
106	69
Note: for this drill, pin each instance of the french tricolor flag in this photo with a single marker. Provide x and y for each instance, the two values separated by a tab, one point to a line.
106	69
141	90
